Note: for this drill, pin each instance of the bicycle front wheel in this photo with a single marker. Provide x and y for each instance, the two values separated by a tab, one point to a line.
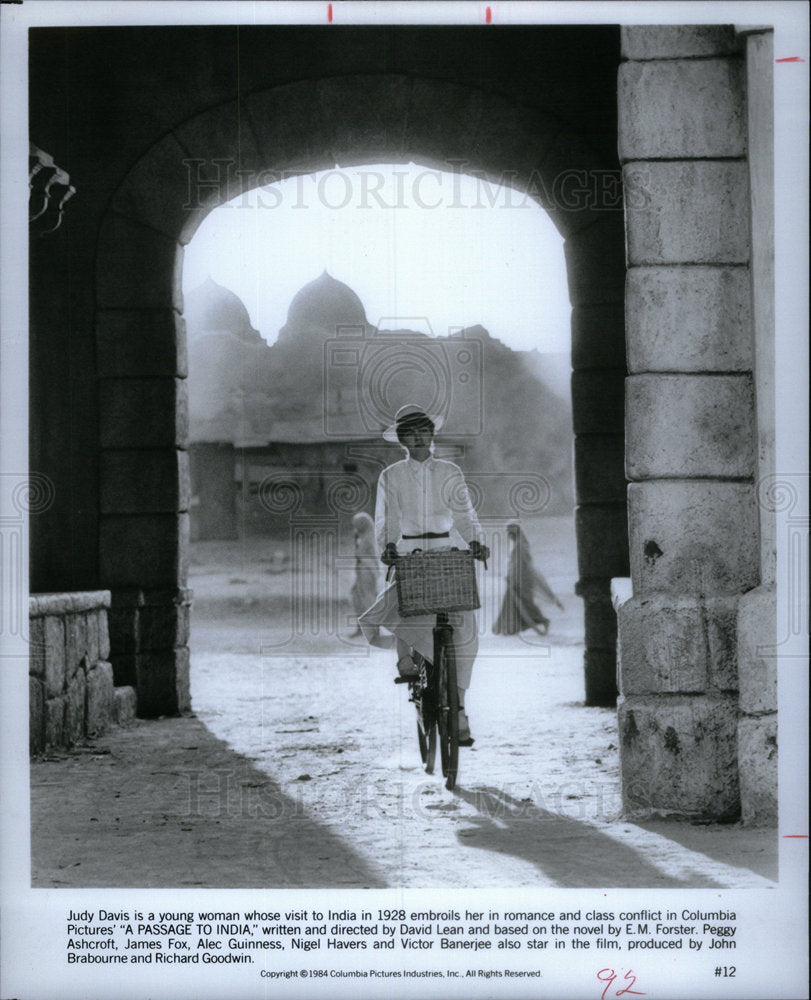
447	696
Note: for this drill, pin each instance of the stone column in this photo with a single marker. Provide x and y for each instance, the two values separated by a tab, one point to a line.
144	469
690	433
596	273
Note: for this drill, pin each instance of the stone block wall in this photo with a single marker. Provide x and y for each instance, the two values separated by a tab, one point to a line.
71	689
691	429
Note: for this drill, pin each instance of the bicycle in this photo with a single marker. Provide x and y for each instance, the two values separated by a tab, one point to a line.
446	578
436	698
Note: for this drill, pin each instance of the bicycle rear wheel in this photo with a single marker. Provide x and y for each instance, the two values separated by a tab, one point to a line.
447	701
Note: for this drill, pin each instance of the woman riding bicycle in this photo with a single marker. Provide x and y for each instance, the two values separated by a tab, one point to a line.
423	503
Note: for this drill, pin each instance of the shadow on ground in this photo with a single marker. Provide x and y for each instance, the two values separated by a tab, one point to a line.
165	804
569	852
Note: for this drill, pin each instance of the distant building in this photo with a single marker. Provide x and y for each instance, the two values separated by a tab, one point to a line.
261	446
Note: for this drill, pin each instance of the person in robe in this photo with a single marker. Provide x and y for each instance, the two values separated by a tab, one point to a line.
366	584
518	608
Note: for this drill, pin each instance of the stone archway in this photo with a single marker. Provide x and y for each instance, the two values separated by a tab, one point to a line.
300	128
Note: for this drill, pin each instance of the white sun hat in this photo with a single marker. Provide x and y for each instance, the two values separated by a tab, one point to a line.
407	413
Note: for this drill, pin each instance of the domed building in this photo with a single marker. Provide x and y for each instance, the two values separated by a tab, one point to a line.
212	308
261	414
323	306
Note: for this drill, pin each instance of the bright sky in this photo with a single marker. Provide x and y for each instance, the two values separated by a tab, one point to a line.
422	249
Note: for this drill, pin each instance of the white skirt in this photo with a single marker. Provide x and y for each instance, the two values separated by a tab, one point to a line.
418	632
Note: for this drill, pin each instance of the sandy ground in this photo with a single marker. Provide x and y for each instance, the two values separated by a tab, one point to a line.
300	765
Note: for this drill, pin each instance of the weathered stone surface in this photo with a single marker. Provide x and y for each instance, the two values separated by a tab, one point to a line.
757	760
688	319
65	603
99	697
692	537
681	109
598	402
210	181
288	128
598	336
36	648
601	677
441	120
758	651
75	708
164	627
36	716
689	426
138	268
125	703
54	656
677	645
104	636
76	643
55	721
599	468
143	413
679	756
141	343
602	540
674	41
571	181
595	262
687	212
163	683
148	549
156	191
144	481
363	117
92	633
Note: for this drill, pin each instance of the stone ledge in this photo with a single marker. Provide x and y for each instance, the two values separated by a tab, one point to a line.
67	603
622	590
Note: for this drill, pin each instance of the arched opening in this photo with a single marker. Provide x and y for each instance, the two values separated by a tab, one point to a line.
288	130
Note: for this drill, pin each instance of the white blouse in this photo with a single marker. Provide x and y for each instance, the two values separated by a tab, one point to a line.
417	497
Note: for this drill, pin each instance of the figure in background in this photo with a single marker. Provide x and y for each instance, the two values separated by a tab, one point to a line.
518	609
367	566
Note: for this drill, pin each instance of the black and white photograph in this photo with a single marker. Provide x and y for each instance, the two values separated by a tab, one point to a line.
404	500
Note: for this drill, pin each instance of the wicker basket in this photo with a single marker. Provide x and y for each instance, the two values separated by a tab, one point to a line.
440	580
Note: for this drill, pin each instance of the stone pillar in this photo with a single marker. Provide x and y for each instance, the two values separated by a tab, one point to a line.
757	610
596	272
690	432
144	473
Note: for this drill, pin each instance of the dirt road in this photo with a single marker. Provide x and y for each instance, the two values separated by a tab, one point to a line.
301	769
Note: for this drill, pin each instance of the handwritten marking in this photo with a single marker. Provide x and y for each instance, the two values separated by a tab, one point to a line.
790	59
329	12
609	979
795	836
488	15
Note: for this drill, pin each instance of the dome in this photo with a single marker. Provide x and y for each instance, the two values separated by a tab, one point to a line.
323	305
212	307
